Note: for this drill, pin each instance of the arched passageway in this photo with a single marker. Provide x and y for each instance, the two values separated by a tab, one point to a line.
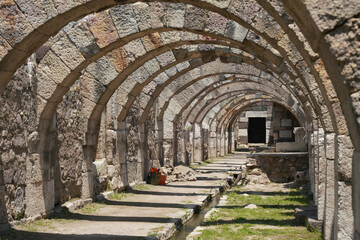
91	91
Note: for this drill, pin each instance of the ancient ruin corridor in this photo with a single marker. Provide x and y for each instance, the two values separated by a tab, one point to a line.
98	96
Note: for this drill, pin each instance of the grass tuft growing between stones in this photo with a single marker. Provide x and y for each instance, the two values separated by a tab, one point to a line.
90	208
274	217
119	196
142	187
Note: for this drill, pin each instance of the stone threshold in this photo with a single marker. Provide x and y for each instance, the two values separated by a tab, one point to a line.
201	204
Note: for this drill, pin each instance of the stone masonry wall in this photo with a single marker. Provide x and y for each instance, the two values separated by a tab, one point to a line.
17	128
283	168
70	128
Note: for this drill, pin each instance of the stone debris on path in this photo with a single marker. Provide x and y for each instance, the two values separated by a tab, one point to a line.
179	173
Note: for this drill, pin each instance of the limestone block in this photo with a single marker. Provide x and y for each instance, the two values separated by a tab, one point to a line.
215	23
140	75
256	114
100	167
141	11
111	170
329	199
124	20
68	53
101	25
345	151
118	59
102	70
246	10
34	199
13	24
330	146
157	14
182	66
171	71
51	66
152	66
4	47
195	18
63	6
328	14
161	78
345	211
152	41
235	31
291	147
134	49
81	36
166	58
175	15
90	87
88	107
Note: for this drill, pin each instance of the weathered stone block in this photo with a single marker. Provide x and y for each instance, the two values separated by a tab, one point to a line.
195	18
124	20
175	15
141	11
84	40
345	211
102	26
102	70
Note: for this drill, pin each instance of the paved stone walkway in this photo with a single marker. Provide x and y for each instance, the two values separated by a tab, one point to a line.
147	212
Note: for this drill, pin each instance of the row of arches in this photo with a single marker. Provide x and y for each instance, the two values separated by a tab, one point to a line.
84	82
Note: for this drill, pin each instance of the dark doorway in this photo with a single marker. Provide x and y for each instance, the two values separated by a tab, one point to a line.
256	130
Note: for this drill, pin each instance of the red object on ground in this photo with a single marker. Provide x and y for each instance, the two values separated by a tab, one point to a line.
162	179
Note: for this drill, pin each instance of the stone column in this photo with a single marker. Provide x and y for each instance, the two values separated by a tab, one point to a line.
122	154
160	134
212	144
345	223
205	144
4	224
356	193
315	164
226	142
321	175
144	161
232	142
222	143
197	146
330	196
168	142
218	143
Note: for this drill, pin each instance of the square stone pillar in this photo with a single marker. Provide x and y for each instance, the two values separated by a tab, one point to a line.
345	223
321	174
198	146
330	218
315	164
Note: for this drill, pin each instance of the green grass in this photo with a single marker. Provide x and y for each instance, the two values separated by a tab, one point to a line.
38	224
154	231
119	196
90	208
142	187
274	217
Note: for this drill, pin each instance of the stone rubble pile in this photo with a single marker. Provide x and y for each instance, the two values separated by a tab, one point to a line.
179	173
